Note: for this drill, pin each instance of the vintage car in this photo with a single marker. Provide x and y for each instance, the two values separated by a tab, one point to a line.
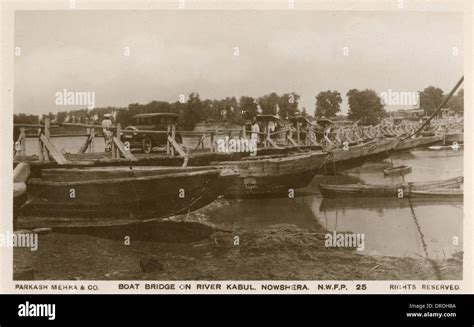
150	122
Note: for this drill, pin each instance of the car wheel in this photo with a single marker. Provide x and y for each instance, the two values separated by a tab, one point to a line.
147	144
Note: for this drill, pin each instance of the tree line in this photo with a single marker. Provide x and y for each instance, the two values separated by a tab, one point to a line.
191	111
365	107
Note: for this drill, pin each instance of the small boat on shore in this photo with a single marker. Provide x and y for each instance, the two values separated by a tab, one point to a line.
453	147
402	190
105	196
397	170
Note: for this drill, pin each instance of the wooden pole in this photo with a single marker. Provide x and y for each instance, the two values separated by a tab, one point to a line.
298	137
268	135
214	138
22	141
173	136
87	146
113	147
91	137
88	131
212	141
40	146
119	130
168	129
46	134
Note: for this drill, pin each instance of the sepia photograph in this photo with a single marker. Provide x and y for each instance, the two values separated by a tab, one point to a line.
238	145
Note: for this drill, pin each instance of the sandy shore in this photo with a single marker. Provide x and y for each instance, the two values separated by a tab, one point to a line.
276	252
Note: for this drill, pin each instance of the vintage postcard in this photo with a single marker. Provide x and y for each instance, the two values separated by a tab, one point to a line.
236	147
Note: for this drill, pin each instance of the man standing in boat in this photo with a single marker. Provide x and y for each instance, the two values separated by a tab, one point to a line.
255	131
106	125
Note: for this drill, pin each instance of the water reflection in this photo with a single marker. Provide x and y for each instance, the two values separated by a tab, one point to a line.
255	213
392	227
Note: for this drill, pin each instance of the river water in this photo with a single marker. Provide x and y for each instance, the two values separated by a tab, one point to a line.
391	227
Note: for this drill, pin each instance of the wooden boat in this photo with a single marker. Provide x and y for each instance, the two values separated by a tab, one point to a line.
412	143
105	196
402	190
453	147
19	189
271	171
400	170
451	137
21	173
355	156
443	193
374	204
428	133
274	173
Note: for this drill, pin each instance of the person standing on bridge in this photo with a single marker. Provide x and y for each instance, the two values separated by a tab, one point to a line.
106	126
255	131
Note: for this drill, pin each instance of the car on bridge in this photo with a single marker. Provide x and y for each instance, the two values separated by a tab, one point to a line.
150	122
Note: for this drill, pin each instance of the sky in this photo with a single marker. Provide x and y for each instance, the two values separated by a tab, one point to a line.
176	52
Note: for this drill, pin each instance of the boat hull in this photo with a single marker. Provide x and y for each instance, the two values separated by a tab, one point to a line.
374	204
399	170
274	175
412	143
402	190
341	159
449	138
117	200
438	194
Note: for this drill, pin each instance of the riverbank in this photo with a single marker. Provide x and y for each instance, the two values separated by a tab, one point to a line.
276	252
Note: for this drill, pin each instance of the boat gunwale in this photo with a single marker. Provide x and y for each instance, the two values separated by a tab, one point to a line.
118	180
280	158
356	187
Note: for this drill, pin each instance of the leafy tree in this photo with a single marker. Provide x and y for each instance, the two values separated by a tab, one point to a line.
25	119
192	113
208	111
61	116
328	104
248	107
430	99
269	103
227	109
288	104
365	107
456	103
124	117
